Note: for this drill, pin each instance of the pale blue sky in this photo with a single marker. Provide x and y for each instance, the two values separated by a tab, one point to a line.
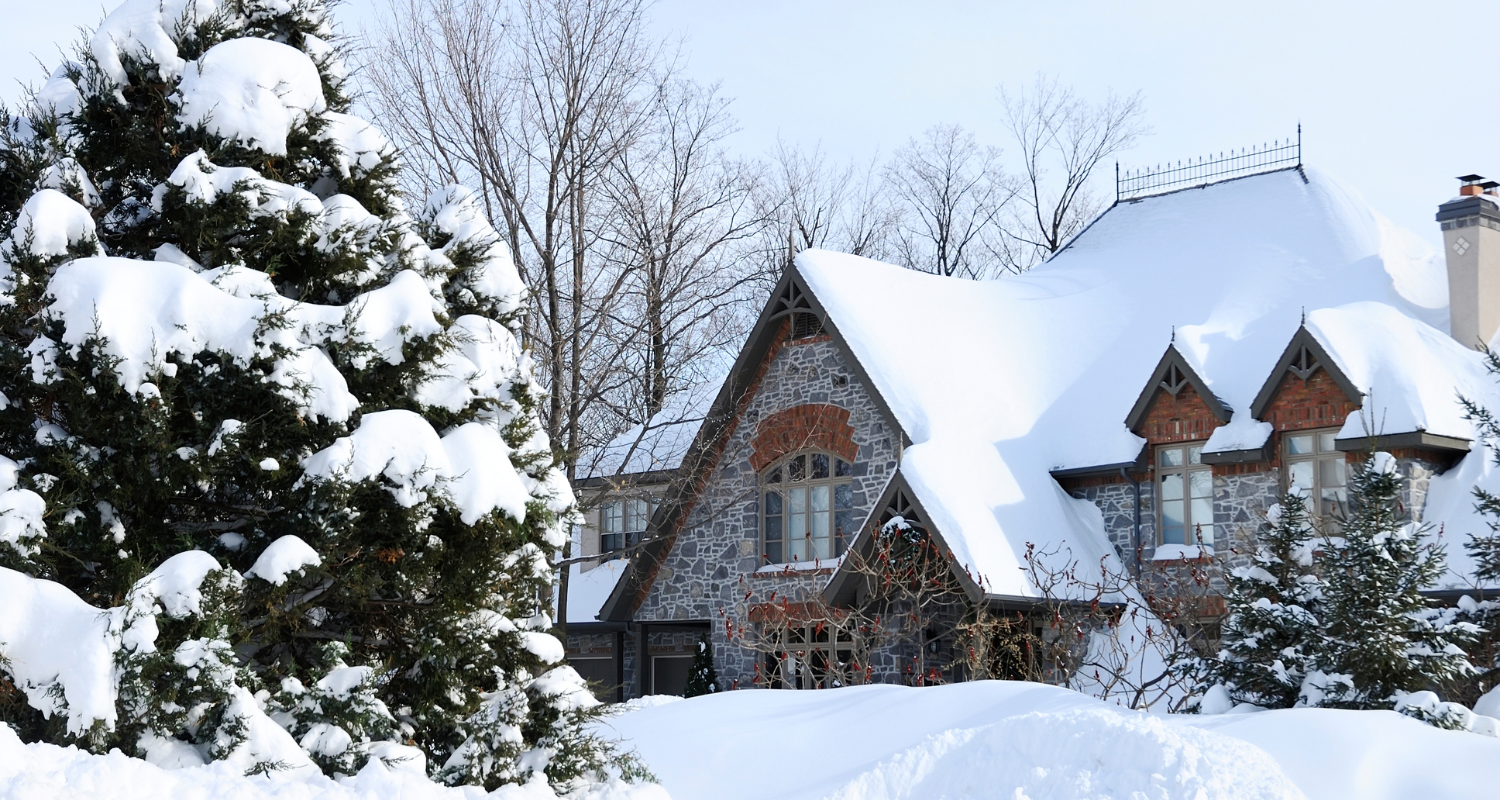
1391	95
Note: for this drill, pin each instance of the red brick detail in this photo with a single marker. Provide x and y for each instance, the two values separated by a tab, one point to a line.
784	611
1183	418
1317	402
811	426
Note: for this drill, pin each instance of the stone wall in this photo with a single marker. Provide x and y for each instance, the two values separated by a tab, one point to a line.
714	563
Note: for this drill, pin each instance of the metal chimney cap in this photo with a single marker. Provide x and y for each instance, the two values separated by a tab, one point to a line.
1471	178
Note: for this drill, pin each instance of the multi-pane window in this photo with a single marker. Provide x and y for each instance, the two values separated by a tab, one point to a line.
1314	465
622	522
1185	488
807	508
814	655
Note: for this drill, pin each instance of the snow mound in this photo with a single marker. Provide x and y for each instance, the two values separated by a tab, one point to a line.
145	31
281	558
254	91
472	463
1076	755
41	770
1008	740
50	222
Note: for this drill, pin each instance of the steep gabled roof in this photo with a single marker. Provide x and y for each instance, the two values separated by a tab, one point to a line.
1001	383
1304	355
1172	375
896	500
790	297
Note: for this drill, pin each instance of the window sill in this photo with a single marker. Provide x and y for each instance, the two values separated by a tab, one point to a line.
820	566
1191	553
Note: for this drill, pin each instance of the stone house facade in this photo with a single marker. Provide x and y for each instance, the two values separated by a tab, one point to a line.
799	420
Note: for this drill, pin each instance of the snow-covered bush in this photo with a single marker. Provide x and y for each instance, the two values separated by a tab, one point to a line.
222	336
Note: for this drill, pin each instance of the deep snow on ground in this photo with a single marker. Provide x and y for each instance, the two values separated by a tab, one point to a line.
1004	740
47	772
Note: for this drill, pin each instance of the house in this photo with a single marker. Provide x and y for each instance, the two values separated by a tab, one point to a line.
1137	401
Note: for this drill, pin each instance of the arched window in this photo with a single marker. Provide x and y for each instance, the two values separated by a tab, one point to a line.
807	508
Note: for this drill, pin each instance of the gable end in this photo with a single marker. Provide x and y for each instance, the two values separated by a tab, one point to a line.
1304	359
1172	377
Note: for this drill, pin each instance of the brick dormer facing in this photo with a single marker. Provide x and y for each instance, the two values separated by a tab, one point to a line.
1316	401
1183	417
1176	405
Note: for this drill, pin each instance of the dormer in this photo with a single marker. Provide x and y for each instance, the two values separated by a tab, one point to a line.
1176	405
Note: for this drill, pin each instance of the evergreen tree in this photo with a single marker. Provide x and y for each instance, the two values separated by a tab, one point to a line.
702	677
1486	548
1381	643
1272	631
222	332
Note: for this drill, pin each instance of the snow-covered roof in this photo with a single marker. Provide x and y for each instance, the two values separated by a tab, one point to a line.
660	444
999	383
587	590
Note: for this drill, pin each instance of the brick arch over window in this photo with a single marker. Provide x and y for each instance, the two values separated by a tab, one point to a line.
806	427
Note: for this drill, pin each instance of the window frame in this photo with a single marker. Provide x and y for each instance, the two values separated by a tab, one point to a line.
816	651
1192	529
1317	457
623	521
778	479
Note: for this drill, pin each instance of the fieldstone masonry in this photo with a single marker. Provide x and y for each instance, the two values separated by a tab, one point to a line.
716	559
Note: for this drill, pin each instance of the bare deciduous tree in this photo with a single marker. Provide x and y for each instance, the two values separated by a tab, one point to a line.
952	192
1137	640
1062	139
533	101
910	620
684	213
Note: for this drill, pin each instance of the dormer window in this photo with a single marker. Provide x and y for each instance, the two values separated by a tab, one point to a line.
1318	468
807	508
622	523
1185	495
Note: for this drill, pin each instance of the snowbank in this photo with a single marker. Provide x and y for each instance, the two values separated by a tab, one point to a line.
41	770
995	739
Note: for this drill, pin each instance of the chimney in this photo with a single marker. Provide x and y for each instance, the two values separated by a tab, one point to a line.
1471	242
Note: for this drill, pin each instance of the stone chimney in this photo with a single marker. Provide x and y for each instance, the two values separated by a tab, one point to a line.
1471	242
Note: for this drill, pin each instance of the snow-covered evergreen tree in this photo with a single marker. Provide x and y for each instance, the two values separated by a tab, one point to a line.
1381	642
1270	637
703	678
222	332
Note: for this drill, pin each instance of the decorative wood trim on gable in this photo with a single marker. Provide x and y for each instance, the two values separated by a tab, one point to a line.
811	425
898	500
1303	359
1173	376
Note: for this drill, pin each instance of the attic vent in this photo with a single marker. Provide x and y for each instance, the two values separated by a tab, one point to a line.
1304	364
1174	380
805	325
901	506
